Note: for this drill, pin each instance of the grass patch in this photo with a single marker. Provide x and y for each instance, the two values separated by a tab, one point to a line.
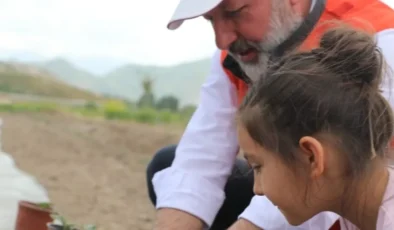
29	107
109	111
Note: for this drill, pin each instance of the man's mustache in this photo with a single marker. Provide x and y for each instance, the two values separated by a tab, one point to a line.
242	45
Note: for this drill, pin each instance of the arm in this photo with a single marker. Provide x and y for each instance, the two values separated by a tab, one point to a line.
193	187
243	224
169	219
385	42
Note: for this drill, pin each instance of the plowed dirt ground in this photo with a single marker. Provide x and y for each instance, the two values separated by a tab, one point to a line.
93	170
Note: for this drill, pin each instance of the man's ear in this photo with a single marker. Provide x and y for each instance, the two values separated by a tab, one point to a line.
313	155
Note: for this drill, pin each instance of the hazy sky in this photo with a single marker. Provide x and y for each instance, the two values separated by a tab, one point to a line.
129	30
132	30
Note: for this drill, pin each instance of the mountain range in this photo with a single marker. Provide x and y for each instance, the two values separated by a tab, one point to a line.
182	81
122	80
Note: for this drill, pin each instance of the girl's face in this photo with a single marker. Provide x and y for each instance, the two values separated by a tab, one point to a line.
296	191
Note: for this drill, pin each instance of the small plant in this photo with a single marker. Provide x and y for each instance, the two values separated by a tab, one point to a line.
59	222
45	205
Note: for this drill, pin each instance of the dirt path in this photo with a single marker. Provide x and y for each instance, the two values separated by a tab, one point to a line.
93	170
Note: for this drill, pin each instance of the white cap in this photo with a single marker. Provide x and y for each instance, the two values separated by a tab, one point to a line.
188	9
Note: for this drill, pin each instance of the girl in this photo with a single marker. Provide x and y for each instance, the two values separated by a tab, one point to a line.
315	131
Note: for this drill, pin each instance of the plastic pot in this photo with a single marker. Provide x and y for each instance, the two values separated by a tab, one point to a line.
32	217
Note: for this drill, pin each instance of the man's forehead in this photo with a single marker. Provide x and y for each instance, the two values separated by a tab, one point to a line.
225	4
218	7
189	9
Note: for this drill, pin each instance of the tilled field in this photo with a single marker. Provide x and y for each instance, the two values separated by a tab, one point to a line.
94	171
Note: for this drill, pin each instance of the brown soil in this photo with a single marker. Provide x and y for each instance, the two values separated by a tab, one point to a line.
94	171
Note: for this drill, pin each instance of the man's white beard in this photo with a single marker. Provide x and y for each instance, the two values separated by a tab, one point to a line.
282	24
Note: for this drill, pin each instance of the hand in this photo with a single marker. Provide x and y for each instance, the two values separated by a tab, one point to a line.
173	219
243	224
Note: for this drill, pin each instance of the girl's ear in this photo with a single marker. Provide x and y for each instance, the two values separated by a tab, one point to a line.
313	154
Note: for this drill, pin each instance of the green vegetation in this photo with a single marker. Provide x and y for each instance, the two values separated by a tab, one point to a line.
121	110
146	109
110	110
147	99
65	225
59	219
29	107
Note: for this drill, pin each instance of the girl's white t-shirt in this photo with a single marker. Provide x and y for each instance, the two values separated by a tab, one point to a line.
386	211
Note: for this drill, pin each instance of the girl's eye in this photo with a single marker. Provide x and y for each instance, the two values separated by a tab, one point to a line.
257	168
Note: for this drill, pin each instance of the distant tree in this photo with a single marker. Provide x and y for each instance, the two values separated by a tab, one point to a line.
91	105
147	100
130	104
168	102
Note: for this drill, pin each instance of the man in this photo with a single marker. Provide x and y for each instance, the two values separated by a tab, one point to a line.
200	183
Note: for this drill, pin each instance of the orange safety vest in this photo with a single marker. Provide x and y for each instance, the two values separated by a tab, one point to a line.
378	15
354	12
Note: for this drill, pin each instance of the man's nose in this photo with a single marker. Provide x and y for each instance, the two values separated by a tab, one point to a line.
225	35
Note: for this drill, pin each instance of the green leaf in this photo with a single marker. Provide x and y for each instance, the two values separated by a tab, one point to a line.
90	227
45	205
